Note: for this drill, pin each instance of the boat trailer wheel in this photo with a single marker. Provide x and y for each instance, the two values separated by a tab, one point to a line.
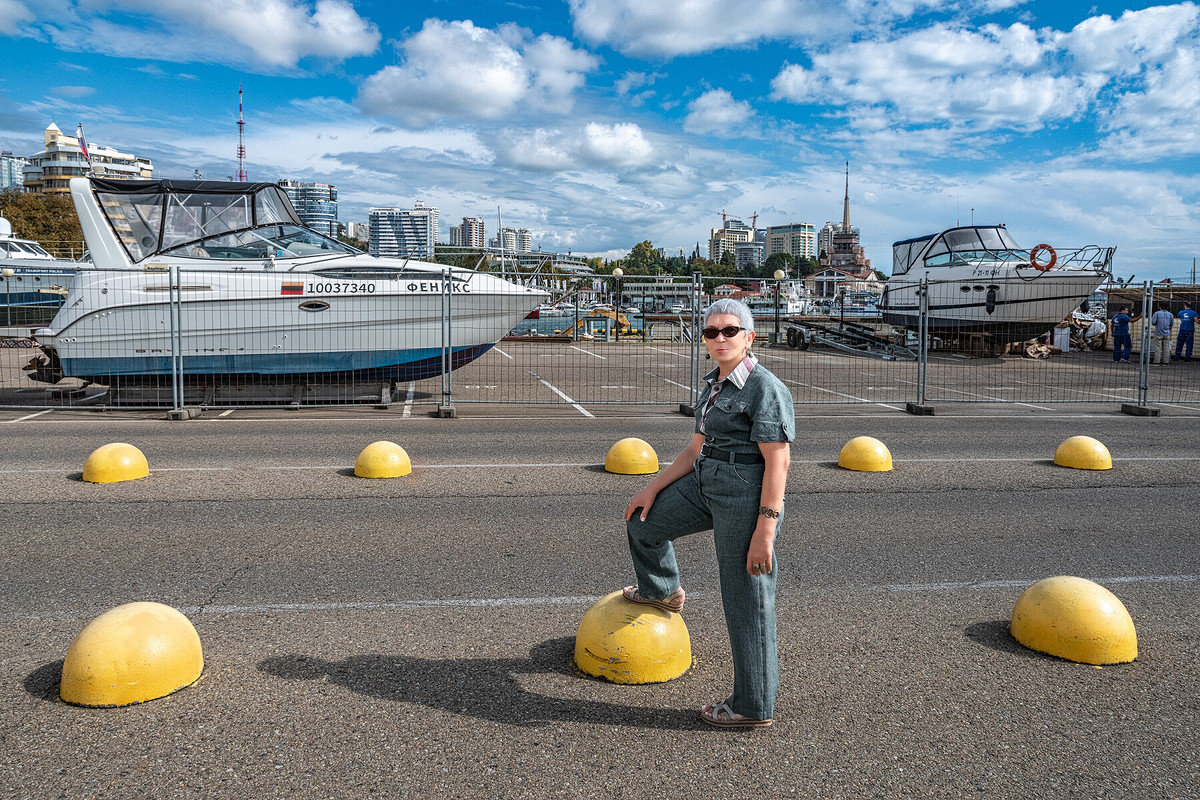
796	339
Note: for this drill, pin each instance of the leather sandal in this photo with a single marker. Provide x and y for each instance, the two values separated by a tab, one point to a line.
672	602
722	716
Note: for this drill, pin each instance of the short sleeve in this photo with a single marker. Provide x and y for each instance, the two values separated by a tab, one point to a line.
774	414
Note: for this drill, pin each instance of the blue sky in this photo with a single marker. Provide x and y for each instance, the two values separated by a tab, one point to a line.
600	123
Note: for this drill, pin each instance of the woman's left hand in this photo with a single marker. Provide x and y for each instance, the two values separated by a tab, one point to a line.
760	558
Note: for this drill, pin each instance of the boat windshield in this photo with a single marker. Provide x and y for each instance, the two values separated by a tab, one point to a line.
271	241
957	246
13	249
152	217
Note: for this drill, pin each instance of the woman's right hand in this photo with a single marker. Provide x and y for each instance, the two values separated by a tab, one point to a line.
643	500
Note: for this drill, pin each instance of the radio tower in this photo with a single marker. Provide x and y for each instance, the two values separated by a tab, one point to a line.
241	168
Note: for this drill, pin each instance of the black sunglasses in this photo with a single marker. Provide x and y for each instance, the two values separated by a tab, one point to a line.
728	332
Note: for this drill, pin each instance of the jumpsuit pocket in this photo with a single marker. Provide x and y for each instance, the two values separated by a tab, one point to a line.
749	474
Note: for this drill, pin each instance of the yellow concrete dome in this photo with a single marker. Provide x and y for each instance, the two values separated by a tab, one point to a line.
115	462
131	654
627	643
1083	452
1075	619
631	456
865	454
382	460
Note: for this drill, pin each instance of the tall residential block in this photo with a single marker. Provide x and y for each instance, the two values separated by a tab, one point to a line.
410	233
799	240
315	204
12	171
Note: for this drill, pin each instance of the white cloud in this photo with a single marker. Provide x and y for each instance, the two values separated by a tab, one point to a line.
650	29
618	146
717	112
14	16
455	69
266	34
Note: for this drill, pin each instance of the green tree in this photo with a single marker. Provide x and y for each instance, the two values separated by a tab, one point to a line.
806	267
644	259
48	219
783	261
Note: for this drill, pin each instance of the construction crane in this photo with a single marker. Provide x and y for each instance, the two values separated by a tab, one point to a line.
753	219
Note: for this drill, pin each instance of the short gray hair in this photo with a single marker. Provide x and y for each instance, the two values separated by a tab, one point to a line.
727	305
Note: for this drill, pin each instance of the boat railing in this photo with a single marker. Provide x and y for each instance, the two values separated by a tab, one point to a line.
1094	257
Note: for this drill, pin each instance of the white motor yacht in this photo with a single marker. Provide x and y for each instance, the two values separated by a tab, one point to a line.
981	281
257	293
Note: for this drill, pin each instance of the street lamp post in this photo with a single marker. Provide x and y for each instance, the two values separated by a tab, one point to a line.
617	273
779	276
7	272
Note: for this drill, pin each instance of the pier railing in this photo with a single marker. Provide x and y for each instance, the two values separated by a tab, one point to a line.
604	341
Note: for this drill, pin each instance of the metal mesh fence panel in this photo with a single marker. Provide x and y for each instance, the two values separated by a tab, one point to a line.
237	338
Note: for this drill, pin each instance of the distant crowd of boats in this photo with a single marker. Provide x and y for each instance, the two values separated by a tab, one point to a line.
278	298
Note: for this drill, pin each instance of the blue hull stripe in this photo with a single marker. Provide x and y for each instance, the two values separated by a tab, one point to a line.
375	365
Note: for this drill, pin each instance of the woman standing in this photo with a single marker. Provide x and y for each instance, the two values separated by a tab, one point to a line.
729	480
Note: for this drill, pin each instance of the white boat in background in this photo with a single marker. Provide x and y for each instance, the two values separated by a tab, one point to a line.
981	281
856	304
258	294
29	274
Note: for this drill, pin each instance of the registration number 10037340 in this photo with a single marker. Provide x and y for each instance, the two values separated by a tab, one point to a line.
340	288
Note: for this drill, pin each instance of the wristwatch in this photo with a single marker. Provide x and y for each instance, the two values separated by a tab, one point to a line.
769	513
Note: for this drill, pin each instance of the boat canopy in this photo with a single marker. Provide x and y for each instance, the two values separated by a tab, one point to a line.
968	244
149	217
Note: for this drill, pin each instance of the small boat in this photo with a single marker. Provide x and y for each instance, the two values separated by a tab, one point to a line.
856	304
31	275
224	280
981	281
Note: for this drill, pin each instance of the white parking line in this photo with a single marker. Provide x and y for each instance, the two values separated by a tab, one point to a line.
668	380
517	602
843	394
408	400
31	416
226	413
558	392
589	352
501	352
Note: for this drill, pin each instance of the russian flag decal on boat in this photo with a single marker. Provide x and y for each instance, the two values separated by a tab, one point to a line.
292	288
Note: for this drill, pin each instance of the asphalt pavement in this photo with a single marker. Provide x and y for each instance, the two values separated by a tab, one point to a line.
412	637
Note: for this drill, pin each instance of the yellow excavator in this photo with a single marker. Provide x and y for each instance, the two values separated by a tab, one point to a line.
621	320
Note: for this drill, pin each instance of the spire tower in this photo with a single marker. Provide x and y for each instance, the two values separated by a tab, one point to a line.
846	204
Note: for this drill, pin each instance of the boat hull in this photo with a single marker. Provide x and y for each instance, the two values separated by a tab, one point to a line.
124	327
1014	308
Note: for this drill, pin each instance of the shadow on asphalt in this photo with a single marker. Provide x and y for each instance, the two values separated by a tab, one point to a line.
43	682
483	688
995	634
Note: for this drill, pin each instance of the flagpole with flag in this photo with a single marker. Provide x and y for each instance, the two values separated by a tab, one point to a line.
83	148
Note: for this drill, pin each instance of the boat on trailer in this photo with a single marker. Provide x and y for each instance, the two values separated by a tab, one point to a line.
257	295
981	281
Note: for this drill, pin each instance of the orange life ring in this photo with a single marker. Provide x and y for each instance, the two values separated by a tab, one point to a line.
1035	252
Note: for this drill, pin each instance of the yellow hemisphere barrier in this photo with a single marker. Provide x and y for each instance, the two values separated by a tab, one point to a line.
131	654
1075	619
628	643
631	456
1083	452
115	462
865	454
382	460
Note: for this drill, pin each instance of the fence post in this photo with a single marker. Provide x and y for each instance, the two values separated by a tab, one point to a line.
697	295
1144	359
919	406
446	407
176	279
